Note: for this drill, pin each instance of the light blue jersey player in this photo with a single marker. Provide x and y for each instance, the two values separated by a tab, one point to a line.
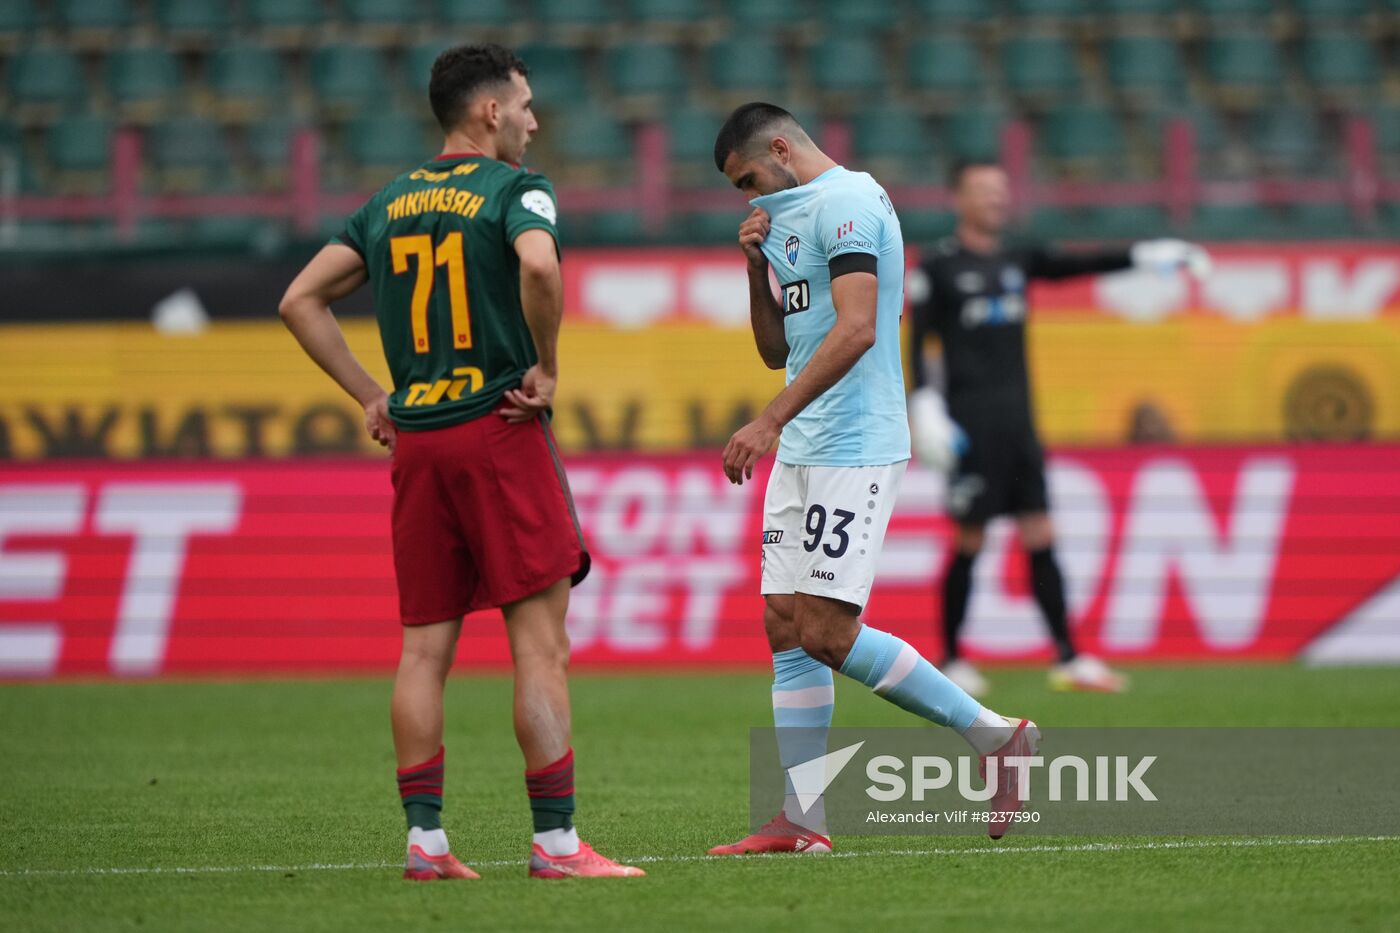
840	221
831	239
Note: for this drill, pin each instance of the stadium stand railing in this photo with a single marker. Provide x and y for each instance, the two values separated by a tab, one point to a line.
188	121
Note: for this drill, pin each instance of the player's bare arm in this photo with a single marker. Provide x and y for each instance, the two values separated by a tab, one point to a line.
854	298
764	313
542	300
335	272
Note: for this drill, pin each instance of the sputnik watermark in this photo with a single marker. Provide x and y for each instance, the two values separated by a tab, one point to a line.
1116	778
1115	775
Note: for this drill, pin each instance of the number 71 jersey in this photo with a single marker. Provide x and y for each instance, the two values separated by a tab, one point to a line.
438	243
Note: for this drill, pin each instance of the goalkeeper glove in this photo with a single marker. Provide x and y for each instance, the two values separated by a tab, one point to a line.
1167	256
937	439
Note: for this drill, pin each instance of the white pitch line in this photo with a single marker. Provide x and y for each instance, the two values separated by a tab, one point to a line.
1266	842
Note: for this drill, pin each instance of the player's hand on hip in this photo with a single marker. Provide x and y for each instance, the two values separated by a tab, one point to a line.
532	399
377	422
752	232
747	446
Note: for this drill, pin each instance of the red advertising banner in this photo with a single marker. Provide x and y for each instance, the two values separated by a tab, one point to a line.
1317	281
217	568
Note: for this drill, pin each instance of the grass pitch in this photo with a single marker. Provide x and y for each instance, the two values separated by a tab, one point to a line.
271	805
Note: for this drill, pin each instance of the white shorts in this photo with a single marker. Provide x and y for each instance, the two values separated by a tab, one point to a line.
824	526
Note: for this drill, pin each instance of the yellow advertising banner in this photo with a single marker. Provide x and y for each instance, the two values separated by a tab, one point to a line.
246	390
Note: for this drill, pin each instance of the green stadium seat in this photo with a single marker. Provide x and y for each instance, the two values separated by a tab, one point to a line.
418	63
240	231
381	12
1040	68
925	226
1145	68
269	145
1332	220
748	15
953	12
557	75
46	77
348	78
191	153
1129	8
1287	141
382	21
1338	10
647	69
1341	63
1388	221
1129	221
842	17
82	144
1063	223
1247	221
1209	130
891	133
387	144
750	64
1051	9
651	12
1084	136
1385	127
574	14
591	134
292	16
247	79
493	14
193	19
1235	9
143	80
708	228
975	133
847	65
18	18
946	66
895	145
691	131
94	15
1245	67
602	228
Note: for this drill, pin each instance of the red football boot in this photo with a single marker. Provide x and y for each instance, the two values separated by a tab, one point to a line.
779	834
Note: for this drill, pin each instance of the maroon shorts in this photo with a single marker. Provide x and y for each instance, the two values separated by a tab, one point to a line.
482	518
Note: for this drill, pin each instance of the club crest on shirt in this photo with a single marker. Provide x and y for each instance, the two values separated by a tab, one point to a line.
791	246
969	282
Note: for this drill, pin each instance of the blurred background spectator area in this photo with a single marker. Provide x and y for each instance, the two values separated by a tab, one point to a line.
252	122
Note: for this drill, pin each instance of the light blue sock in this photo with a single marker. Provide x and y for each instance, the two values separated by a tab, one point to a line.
803	700
895	671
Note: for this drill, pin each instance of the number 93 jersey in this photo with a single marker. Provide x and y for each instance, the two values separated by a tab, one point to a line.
824	528
439	246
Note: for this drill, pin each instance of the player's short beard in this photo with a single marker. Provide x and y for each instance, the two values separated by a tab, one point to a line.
785	176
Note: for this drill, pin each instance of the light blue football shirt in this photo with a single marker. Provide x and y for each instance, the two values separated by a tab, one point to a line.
861	420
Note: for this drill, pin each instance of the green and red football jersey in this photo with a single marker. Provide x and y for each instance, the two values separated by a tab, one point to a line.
439	246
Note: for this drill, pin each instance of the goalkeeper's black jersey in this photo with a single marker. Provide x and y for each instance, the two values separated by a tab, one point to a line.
976	304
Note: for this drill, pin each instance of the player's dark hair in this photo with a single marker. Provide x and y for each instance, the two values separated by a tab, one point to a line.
744	124
460	72
964	165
